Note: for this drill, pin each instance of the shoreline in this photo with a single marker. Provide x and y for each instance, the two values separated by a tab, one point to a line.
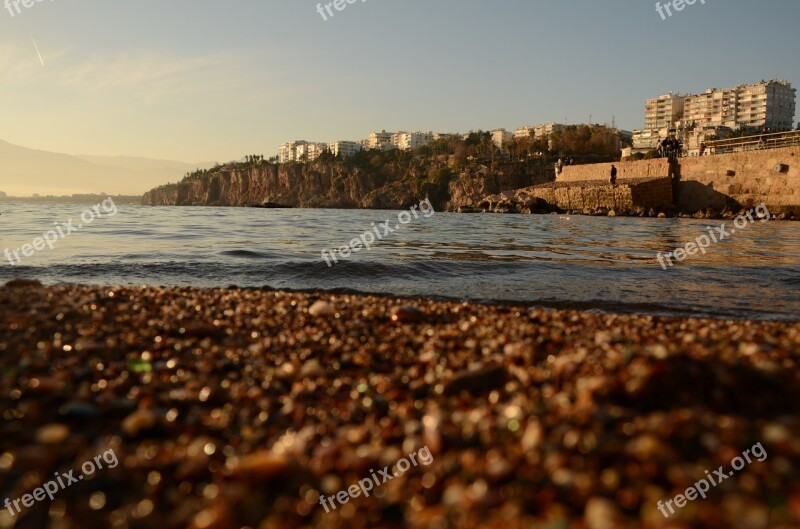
234	407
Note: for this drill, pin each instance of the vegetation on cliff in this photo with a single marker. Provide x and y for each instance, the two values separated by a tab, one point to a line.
453	171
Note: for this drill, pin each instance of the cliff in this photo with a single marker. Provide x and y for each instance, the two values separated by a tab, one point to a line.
341	185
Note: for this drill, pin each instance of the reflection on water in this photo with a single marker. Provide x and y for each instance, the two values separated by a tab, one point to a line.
585	262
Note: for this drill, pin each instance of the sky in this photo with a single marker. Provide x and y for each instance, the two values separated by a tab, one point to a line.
197	81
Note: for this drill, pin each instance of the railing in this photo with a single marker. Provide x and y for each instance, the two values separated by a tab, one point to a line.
753	143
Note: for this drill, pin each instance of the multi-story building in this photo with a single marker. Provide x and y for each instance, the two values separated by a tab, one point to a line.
646	139
406	141
300	151
768	104
764	105
287	152
541	130
662	112
345	149
380	140
544	130
524	132
501	137
315	150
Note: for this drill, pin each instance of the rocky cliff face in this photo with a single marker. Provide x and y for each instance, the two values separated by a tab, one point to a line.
338	185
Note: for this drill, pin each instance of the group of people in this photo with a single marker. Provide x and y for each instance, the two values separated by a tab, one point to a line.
670	148
559	165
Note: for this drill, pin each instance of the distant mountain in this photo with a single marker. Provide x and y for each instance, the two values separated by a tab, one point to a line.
25	171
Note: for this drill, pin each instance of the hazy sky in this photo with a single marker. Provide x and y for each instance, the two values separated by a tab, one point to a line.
196	80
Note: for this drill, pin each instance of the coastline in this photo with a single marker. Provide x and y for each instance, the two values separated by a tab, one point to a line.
231	407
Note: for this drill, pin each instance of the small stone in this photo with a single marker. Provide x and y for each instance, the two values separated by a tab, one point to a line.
519	350
602	513
79	410
312	368
408	314
321	308
775	433
477	381
139	421
532	437
52	434
657	351
260	467
612	213
602	338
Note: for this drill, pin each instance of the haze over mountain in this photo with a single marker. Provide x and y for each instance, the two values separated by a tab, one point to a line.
25	171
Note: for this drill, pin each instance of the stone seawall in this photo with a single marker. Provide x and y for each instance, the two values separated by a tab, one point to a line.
736	180
591	197
744	179
625	170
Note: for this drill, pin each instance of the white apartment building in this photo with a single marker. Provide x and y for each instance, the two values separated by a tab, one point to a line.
380	140
315	150
501	136
300	151
546	129
406	141
524	132
663	111
538	131
344	148
768	104
646	139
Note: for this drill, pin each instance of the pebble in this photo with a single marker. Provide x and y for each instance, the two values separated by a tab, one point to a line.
477	381
243	408
79	410
321	308
139	421
52	434
408	314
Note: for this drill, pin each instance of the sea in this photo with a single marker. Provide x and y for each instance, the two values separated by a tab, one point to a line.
555	261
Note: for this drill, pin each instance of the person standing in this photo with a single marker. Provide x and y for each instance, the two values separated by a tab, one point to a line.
613	178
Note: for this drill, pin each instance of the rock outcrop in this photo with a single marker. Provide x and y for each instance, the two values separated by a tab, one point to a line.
340	185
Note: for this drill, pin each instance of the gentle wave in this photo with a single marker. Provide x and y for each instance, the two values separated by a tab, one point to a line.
588	263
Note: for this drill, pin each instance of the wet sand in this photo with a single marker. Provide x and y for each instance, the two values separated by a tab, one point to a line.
234	408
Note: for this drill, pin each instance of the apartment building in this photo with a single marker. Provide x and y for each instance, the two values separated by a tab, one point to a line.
406	141
768	104
300	151
646	139
544	130
538	131
501	136
663	111
344	148
524	132
380	140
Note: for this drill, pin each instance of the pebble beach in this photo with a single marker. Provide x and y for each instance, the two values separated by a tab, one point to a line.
237	408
